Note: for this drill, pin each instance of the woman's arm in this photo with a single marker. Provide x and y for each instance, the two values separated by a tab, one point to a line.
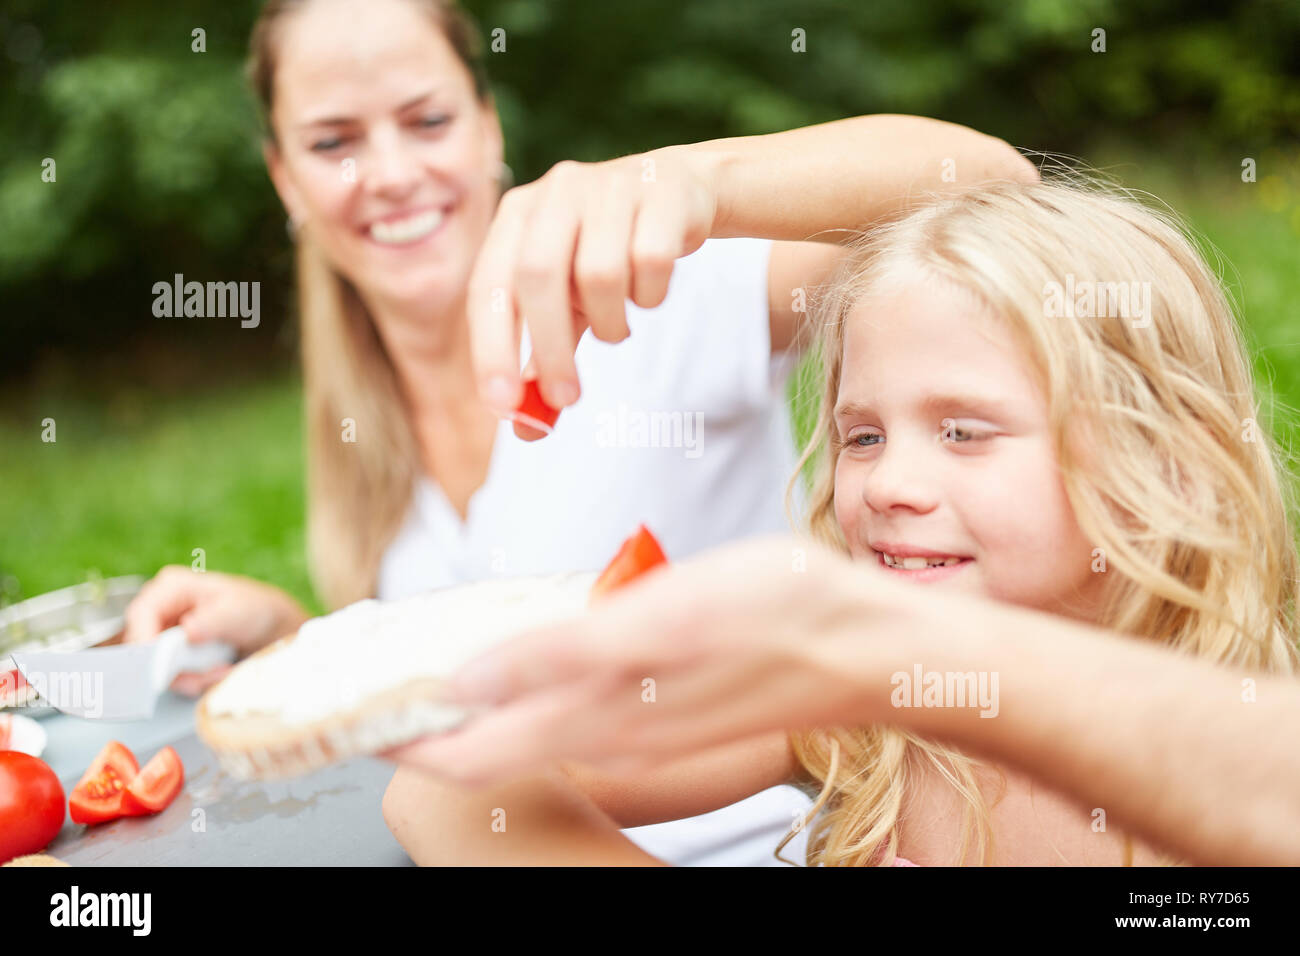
1192	758
824	182
565	252
1195	758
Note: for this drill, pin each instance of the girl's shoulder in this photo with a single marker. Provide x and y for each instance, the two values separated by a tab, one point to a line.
1030	824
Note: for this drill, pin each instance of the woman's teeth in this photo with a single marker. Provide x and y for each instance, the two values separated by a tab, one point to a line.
915	564
406	230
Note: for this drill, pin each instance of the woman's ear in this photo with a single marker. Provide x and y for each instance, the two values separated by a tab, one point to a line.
495	139
284	187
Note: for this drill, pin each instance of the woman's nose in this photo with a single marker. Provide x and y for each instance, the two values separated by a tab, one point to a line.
903	476
392	168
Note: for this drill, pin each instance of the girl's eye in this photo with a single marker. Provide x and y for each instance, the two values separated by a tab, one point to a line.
861	440
950	430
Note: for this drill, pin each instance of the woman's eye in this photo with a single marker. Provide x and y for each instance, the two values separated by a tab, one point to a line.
429	122
325	145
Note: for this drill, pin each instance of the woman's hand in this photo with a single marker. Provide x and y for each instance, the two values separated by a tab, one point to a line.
564	253
756	637
211	606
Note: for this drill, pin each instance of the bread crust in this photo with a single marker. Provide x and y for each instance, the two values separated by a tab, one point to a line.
265	747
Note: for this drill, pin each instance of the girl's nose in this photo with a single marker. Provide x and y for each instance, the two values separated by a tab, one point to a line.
902	476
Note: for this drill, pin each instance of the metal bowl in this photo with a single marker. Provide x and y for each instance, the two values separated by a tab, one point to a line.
69	619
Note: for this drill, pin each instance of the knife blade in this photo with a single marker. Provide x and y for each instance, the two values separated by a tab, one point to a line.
122	682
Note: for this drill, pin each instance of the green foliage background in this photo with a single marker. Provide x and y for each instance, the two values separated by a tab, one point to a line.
181	434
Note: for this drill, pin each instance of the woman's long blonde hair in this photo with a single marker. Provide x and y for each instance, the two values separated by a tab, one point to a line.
358	492
1157	434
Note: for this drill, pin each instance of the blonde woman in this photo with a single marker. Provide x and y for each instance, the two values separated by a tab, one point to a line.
384	144
1099	466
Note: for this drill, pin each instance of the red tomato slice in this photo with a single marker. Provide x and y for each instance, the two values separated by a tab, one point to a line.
155	786
534	407
97	797
31	804
639	554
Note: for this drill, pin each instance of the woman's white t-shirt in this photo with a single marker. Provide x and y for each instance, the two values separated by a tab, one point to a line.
684	427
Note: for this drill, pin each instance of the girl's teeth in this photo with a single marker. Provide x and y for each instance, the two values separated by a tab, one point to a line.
406	230
916	563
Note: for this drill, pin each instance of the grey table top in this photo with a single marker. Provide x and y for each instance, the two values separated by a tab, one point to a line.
331	817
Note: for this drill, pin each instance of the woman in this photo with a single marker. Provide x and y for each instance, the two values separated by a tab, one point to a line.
385	147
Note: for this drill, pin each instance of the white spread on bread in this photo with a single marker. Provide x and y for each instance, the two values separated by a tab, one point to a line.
372	647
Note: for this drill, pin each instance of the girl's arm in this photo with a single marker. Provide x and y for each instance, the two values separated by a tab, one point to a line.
572	815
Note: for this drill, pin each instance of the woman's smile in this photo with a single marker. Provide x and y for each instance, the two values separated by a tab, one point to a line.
407	229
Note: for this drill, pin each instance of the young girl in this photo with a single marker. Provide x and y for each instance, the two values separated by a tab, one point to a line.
1047	383
1036	393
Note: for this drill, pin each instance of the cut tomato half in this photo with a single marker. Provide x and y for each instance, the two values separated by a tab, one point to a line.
155	786
533	410
97	797
639	554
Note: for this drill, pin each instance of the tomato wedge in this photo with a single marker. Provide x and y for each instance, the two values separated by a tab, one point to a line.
639	554
534	407
97	797
155	786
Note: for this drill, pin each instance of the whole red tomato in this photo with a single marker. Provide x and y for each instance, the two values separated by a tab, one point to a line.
31	804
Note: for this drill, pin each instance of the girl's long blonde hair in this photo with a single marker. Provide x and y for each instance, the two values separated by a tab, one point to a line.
357	491
1157	434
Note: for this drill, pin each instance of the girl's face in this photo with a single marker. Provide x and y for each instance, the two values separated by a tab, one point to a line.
383	149
944	450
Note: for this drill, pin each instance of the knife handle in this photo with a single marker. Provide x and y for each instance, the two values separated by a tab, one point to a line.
196	657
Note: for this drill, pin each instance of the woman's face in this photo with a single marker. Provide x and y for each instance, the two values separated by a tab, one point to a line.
944	447
383	151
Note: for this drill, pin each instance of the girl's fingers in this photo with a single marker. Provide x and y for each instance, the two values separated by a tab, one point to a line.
493	320
542	282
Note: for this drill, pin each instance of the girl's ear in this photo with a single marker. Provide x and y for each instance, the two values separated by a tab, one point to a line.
284	187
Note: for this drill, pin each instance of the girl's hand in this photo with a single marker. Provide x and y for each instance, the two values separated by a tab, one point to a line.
564	253
757	637
211	606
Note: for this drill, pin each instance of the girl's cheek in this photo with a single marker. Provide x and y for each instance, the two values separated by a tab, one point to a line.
848	506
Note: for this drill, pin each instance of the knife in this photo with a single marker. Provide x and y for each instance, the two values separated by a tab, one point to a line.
122	682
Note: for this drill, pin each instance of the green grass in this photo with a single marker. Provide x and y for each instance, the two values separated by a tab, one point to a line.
140	477
143	480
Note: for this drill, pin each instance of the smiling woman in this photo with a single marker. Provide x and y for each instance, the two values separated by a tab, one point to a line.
384	145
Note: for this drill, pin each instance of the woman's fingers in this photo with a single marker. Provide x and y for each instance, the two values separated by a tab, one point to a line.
602	265
543	279
159	605
657	239
493	320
